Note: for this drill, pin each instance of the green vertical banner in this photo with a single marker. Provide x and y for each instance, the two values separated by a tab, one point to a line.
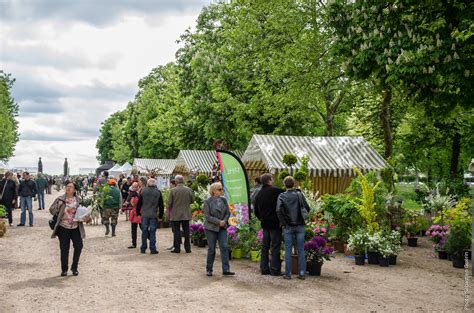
236	187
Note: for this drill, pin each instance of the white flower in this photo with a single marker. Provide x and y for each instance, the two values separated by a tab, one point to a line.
456	56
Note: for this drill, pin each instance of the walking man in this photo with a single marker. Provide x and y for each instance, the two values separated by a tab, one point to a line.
179	202
150	207
27	191
42	185
8	195
265	210
112	204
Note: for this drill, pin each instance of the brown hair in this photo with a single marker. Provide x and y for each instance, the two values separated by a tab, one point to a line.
289	182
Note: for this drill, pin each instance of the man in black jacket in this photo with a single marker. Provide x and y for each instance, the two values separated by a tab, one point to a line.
27	192
8	195
265	210
150	207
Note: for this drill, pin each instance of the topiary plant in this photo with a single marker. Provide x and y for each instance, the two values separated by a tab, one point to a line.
283	174
202	180
290	159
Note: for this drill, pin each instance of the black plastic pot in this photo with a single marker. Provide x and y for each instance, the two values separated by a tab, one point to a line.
360	259
201	243
384	262
372	257
458	261
392	260
442	255
314	268
412	241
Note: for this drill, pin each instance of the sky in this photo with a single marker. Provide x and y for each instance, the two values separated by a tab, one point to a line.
77	61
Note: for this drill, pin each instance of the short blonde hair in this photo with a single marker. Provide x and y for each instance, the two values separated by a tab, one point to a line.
214	188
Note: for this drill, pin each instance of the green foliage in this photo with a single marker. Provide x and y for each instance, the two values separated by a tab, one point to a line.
3	212
202	180
459	237
290	159
358	241
283	174
366	203
300	176
344	214
8	114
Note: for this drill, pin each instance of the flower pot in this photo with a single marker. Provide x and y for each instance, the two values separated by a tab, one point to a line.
3	229
201	243
450	257
442	255
339	246
458	261
359	259
412	241
314	268
255	256
294	264
237	253
384	262
372	257
392	260
195	241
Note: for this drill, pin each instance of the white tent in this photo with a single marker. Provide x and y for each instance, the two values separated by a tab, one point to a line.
125	169
114	171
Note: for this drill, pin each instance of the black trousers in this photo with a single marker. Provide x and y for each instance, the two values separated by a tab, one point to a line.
271	239
177	235
134	230
65	237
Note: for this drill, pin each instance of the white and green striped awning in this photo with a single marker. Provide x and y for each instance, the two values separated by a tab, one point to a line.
160	166
328	156
198	161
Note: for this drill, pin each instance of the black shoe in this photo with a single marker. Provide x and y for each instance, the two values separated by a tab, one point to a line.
276	273
154	252
20	225
265	272
170	248
209	274
228	273
175	251
188	251
132	247
75	273
286	276
63	274
301	277
142	251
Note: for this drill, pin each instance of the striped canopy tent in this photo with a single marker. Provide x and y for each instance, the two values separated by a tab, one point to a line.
162	167
331	159
197	161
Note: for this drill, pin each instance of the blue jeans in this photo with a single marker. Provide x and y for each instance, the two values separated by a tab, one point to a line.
290	233
26	203
212	238
41	199
149	226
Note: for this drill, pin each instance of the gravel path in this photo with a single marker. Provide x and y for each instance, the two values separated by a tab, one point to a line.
116	279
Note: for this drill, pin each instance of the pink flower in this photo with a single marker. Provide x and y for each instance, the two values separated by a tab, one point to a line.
332	226
446	227
316	230
323	230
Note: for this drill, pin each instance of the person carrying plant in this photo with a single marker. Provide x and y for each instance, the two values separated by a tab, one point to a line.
265	210
112	205
292	210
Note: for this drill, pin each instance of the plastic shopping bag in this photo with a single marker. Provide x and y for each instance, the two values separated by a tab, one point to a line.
82	213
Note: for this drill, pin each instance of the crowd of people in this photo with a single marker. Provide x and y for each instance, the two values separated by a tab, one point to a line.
281	213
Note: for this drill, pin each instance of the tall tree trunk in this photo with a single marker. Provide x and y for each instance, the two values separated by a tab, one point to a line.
455	152
329	124
385	119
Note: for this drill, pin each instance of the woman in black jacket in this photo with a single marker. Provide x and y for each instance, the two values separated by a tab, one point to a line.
8	195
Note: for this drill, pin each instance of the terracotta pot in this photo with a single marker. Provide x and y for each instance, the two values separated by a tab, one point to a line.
294	264
339	246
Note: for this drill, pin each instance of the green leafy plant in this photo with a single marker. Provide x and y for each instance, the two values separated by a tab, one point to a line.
290	159
459	237
3	212
344	213
283	174
366	203
358	241
202	180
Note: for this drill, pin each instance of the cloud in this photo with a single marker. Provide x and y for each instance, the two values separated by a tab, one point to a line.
97	13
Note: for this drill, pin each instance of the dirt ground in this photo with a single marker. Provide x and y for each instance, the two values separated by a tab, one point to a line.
116	279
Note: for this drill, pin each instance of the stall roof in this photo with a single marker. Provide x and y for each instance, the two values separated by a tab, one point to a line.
160	166
328	156
200	161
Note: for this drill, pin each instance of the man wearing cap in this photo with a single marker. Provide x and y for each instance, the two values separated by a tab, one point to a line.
112	204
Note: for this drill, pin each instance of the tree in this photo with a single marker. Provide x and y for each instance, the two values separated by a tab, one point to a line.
8	114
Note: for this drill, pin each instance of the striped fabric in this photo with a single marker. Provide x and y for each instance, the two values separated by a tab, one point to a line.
161	166
198	161
328	156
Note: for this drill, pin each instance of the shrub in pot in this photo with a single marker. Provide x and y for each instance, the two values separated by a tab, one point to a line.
357	243
459	240
316	252
394	242
373	247
3	214
438	235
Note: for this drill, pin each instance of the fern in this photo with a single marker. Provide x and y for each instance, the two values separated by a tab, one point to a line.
366	203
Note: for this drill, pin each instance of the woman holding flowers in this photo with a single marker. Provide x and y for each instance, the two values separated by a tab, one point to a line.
216	212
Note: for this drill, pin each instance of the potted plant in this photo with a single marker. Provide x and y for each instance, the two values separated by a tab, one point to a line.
316	252
385	251
459	240
373	246
197	231
411	231
438	235
3	214
395	247
357	244
256	247
234	244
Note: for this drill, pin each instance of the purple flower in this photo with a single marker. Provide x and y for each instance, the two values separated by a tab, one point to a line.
328	250
319	241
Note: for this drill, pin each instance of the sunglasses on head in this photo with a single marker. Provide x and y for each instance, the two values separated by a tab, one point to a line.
219	189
